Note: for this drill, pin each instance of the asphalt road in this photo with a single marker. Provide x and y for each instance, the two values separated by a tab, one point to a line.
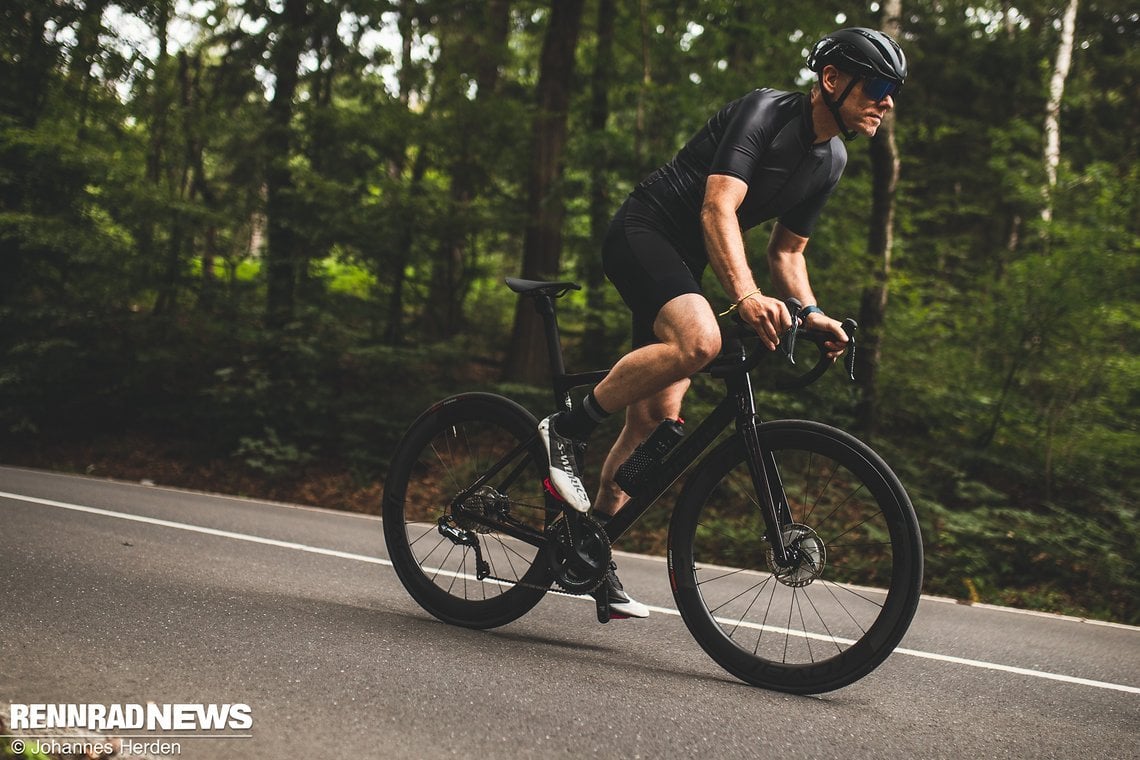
127	594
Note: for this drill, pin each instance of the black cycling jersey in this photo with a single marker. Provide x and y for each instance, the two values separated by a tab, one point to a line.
765	139
654	250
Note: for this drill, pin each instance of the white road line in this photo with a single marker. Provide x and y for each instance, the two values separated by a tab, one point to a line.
661	610
1018	671
199	529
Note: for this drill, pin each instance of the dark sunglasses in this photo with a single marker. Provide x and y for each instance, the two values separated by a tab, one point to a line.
879	89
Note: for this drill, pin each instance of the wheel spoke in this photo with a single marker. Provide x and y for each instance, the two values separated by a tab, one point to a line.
844	544
478	440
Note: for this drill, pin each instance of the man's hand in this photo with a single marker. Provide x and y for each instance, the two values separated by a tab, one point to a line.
821	322
768	317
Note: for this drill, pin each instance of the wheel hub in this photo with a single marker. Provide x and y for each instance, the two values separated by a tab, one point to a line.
808	553
485	501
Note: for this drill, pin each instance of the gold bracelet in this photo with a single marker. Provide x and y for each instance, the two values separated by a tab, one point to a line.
736	305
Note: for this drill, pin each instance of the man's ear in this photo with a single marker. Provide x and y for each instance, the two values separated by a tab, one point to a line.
831	79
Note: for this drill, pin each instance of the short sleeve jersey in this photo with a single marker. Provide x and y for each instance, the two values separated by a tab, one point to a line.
764	139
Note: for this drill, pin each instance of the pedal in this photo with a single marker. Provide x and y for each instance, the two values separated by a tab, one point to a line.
603	604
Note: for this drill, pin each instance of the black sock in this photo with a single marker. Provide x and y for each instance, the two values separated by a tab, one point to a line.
582	420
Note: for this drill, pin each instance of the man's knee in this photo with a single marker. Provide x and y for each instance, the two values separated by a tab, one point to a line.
700	348
688	324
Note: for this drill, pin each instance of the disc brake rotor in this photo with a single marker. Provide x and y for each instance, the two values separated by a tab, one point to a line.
810	553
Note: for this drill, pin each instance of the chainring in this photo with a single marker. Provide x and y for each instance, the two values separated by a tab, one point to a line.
578	552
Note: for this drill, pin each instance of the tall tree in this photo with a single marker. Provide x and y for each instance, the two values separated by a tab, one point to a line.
542	242
1053	108
880	241
479	54
407	21
591	265
283	258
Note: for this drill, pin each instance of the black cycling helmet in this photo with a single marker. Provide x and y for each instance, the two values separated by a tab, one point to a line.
861	51
866	53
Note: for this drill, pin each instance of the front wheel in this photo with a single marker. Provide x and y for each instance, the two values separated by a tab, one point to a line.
837	613
463	570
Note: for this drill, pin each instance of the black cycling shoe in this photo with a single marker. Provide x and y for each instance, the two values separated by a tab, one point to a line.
620	604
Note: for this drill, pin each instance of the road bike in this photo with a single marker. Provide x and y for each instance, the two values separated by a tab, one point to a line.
794	554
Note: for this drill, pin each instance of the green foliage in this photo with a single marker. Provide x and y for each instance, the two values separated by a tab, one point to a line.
1054	560
136	236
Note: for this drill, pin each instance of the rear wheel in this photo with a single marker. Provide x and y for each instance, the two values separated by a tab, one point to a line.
435	546
838	612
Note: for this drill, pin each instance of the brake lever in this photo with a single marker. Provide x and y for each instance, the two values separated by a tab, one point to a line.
788	339
850	326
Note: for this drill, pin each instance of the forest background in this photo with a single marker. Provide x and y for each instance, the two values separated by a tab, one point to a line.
244	242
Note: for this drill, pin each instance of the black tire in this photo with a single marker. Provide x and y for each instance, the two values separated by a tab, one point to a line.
443	452
834	623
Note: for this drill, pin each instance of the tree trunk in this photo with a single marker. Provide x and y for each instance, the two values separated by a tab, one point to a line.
405	242
1053	107
639	139
161	101
600	202
880	239
200	183
180	191
283	253
486	39
406	232
542	244
88	29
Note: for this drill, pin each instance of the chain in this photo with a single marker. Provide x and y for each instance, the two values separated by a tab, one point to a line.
551	589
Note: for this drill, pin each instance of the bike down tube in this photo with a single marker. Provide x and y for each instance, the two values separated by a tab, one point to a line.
674	465
761	466
738	405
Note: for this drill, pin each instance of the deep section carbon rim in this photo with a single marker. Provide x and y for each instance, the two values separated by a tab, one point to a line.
435	544
840	610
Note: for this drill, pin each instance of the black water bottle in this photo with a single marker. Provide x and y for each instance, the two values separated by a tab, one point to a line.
635	473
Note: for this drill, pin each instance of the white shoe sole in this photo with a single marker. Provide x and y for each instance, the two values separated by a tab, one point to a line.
631	609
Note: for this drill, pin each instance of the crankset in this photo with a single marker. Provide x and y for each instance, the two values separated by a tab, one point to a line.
578	551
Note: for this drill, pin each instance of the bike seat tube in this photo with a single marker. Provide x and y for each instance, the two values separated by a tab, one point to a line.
544	305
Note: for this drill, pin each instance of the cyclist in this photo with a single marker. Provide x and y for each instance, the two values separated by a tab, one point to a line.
769	154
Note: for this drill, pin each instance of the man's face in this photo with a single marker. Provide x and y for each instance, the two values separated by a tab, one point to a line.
860	112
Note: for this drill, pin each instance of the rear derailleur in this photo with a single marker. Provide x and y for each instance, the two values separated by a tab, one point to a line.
450	529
